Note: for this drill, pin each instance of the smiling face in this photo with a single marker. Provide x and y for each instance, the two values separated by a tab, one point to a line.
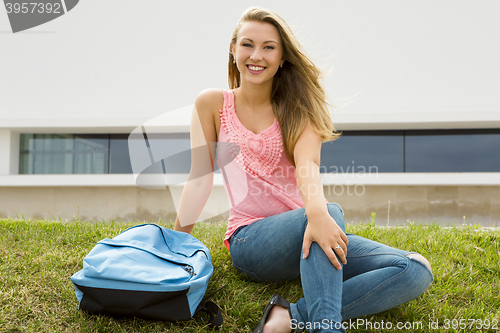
258	52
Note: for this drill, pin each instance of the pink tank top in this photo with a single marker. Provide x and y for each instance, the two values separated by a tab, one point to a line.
258	178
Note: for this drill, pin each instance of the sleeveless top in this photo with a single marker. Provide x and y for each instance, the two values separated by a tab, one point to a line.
258	178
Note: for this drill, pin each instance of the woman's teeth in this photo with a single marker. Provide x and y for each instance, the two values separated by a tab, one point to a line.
254	68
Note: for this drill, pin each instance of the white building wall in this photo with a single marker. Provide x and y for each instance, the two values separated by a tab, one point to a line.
119	63
110	66
9	152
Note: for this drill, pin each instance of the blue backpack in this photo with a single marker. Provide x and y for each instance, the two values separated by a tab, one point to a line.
149	272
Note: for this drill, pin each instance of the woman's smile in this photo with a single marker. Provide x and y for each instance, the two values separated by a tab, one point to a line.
255	69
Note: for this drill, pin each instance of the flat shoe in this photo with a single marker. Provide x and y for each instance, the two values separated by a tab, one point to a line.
275	300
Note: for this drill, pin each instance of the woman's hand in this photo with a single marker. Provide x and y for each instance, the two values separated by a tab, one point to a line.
322	229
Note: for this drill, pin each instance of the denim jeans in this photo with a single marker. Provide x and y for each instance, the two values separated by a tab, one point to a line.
376	277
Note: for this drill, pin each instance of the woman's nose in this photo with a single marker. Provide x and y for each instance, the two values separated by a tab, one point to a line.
256	56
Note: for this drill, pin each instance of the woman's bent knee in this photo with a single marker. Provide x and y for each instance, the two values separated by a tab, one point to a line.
420	258
420	275
337	214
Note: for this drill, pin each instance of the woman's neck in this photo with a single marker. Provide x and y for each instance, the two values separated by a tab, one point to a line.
253	96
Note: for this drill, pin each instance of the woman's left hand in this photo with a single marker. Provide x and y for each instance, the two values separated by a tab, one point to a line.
323	229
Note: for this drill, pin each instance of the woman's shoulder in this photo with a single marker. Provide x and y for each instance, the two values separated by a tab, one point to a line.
210	99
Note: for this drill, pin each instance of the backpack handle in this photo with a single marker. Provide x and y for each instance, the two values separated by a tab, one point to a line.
214	318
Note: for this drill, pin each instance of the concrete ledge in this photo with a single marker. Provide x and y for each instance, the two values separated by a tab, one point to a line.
417	178
396	205
392	205
395	179
93	203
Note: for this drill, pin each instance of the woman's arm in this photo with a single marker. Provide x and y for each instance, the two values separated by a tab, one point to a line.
321	227
200	181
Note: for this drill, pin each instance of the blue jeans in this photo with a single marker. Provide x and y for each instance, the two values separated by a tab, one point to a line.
376	277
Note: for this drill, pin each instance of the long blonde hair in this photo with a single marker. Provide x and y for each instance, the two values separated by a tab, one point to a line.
297	95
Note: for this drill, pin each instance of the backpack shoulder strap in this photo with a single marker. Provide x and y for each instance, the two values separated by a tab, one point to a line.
211	309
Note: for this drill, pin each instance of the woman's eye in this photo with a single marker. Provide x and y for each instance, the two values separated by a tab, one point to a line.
246	45
270	47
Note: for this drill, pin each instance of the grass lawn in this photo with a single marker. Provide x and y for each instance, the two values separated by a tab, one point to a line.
38	257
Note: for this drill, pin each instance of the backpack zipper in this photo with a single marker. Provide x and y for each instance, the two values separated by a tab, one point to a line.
190	270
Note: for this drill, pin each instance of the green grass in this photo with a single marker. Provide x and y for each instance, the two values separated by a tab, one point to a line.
38	257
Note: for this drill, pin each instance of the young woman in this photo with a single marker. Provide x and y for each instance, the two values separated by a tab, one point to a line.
269	130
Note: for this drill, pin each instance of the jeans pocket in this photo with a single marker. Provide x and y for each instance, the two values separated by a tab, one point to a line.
236	237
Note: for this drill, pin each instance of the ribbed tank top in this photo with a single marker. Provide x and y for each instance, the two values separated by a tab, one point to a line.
258	178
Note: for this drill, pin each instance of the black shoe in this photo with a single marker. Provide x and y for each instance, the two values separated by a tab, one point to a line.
275	299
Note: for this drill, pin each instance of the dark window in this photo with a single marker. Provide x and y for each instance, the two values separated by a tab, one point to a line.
63	153
174	149
468	150
364	152
100	153
453	150
90	153
119	159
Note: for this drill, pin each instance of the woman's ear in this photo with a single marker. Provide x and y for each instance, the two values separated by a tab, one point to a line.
232	51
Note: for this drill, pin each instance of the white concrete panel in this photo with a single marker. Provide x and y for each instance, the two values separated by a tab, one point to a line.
14	153
4	152
118	63
9	152
347	178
